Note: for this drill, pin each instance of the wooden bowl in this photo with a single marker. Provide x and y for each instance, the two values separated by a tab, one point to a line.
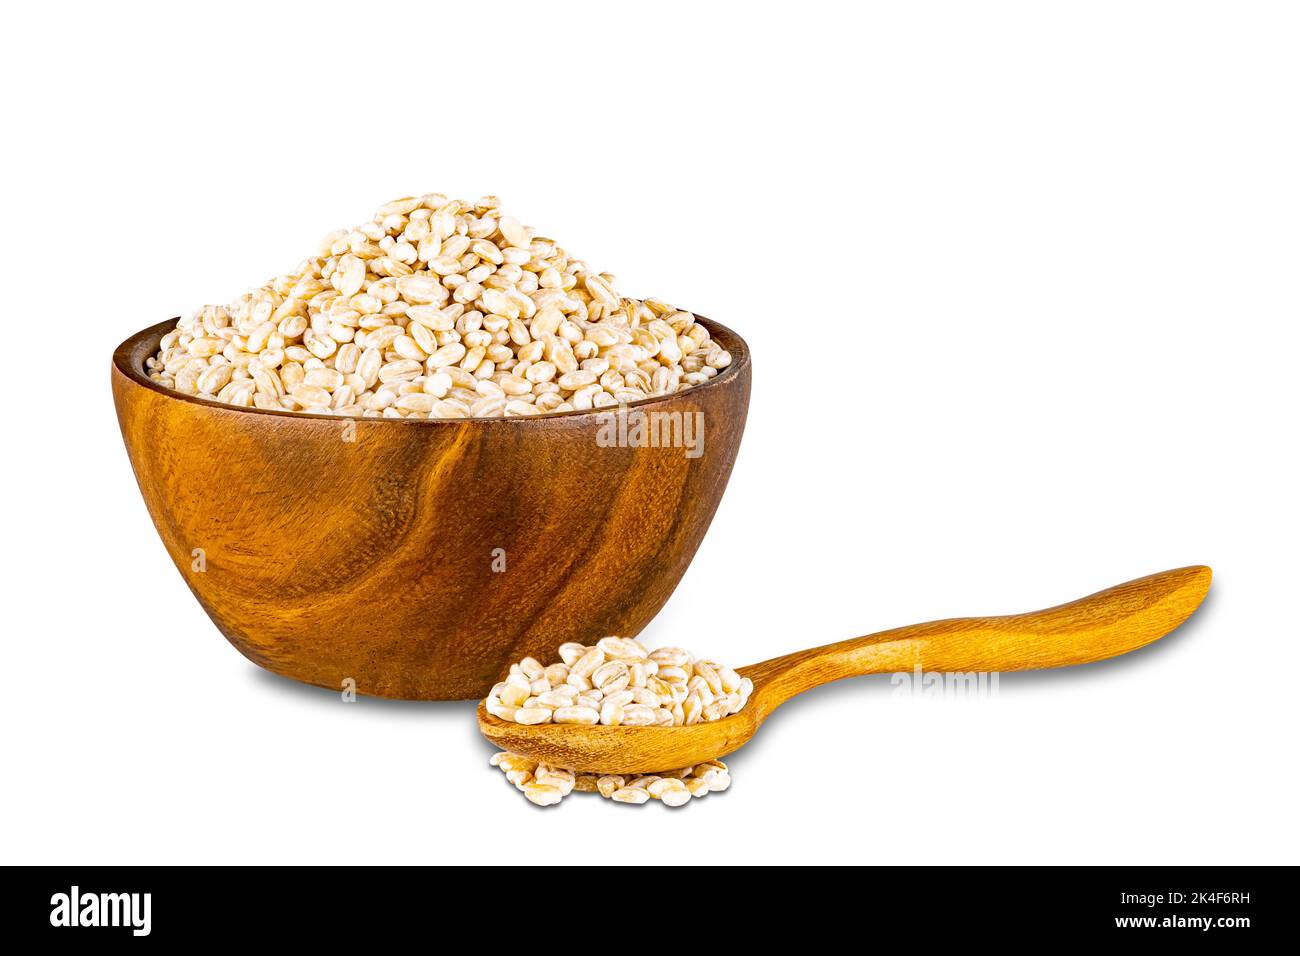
419	559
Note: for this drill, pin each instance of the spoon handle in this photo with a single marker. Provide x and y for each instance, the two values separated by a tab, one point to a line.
1105	624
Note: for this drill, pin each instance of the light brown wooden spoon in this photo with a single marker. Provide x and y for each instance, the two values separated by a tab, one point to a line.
1105	624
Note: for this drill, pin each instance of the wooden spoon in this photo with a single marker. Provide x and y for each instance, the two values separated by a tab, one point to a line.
1106	624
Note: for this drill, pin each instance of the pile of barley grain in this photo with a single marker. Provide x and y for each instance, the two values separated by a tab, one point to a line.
437	308
545	785
618	683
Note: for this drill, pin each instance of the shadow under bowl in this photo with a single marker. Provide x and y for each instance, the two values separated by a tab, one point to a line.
420	558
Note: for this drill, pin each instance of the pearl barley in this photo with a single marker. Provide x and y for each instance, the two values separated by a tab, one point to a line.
617	683
437	308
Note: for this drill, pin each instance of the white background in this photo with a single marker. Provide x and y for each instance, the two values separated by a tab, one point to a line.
1020	282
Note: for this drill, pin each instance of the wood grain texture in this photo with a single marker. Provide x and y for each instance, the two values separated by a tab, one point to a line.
1106	624
372	558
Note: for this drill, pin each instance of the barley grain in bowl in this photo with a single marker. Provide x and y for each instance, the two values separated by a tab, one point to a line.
406	554
437	308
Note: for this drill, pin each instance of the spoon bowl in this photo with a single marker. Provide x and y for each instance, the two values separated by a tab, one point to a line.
1105	624
626	750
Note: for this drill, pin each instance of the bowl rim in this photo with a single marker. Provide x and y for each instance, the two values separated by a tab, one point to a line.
130	355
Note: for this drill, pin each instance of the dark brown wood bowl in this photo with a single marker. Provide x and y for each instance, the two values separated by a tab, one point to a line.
331	549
